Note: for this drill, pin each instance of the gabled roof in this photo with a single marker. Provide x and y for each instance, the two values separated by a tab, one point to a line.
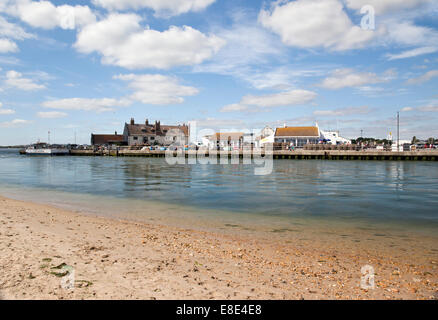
297	132
143	129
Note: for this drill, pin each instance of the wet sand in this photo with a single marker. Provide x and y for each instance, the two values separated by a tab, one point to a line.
115	259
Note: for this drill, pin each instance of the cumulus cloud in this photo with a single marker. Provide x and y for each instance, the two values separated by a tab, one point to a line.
343	111
83	104
7	46
287	98
408	34
157	89
161	7
8	32
343	78
52	115
314	23
44	14
16	80
122	41
424	78
12	30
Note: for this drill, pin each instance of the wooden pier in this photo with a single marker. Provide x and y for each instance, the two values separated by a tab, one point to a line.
420	155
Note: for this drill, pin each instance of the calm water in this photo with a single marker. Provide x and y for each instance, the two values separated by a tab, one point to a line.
404	193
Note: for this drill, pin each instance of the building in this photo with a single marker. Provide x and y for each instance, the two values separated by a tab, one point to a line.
107	139
333	137
297	136
150	134
267	132
226	140
267	136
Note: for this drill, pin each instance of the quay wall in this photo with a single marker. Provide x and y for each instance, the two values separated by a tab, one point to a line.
425	155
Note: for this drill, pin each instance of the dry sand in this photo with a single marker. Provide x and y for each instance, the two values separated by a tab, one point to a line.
115	259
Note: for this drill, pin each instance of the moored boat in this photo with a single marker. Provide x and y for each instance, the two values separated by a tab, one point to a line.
43	149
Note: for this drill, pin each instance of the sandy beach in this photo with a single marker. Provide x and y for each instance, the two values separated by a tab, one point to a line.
114	259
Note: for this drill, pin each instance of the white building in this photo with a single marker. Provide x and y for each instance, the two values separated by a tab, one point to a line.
333	137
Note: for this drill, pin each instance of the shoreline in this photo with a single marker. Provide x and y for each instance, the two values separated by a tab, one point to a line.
119	259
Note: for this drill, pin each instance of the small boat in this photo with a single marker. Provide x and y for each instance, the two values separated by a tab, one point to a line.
42	149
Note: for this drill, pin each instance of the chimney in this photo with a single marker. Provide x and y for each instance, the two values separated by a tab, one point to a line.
115	133
132	121
147	122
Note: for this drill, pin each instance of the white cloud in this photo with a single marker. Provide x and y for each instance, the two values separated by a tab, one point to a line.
52	115
424	78
7	46
157	89
384	6
343	78
5	111
314	23
14	123
248	48
83	104
13	31
412	53
122	41
161	7
234	108
407	109
287	98
15	80
409	34
43	14
343	111
292	97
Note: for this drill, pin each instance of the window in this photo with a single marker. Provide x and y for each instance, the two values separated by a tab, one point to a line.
135	138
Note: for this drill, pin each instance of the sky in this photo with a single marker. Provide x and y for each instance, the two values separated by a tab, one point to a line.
79	67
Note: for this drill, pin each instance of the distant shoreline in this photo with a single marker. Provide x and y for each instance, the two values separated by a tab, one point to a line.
12	147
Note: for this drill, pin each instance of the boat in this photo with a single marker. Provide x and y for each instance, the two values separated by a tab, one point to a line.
43	149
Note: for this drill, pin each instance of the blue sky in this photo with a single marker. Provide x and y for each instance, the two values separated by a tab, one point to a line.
77	67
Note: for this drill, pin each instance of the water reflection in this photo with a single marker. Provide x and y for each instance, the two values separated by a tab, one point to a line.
346	189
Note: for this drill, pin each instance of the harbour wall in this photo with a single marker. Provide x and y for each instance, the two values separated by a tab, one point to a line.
426	155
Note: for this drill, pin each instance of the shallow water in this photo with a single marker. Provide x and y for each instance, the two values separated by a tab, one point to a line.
366	194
